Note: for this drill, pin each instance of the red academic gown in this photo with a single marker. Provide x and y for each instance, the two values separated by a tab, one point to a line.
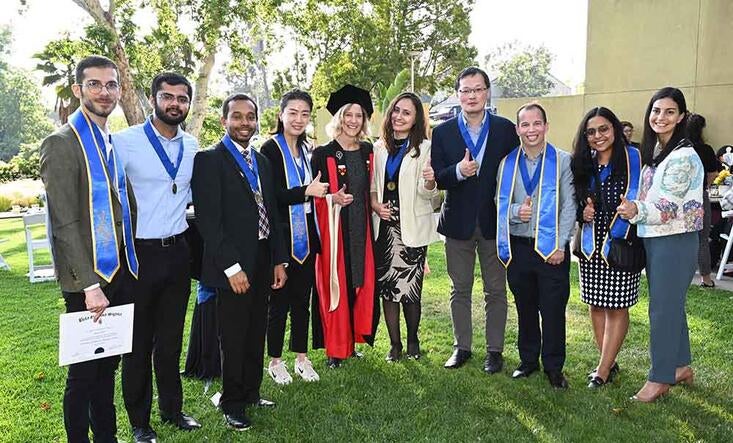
348	315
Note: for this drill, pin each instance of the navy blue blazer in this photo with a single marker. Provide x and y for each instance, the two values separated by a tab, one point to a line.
471	200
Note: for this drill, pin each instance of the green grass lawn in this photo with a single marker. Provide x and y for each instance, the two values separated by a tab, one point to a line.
369	399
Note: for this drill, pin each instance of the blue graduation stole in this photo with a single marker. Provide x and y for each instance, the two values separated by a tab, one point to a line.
299	242
104	234
546	231
619	227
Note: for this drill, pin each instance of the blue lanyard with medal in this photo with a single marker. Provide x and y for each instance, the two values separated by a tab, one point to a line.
250	174
393	164
162	155
530	184
474	148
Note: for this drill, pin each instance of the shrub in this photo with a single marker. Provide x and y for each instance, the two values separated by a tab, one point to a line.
5	203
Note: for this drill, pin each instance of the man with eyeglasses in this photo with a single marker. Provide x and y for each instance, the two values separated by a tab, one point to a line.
466	151
91	210
158	158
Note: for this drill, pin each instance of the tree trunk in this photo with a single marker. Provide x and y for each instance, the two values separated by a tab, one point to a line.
200	103
128	99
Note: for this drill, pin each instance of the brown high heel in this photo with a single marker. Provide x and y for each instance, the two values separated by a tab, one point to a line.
684	375
651	398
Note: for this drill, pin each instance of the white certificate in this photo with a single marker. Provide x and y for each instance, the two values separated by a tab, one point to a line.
81	339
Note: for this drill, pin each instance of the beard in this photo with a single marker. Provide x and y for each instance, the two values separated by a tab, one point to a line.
99	109
168	119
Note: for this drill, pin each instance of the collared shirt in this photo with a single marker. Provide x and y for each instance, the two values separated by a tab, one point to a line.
566	199
474	133
160	212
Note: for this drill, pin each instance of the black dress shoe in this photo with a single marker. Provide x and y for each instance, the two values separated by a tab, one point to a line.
394	355
557	379
238	422
413	351
263	403
524	370
181	421
457	359
333	363
596	382
494	362
357	354
144	434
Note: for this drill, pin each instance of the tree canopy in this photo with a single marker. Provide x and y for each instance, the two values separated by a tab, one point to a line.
521	71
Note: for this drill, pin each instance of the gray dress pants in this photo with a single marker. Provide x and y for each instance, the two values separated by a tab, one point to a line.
461	259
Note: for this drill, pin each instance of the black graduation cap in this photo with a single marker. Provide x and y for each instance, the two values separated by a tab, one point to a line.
350	94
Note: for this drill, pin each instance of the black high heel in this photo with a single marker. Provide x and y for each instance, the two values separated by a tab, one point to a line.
596	382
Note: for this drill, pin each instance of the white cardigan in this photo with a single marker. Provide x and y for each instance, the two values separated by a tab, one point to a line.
416	202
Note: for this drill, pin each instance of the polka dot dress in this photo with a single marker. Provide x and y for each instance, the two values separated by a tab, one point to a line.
601	285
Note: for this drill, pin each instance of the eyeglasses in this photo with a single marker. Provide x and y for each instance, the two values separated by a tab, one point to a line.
471	91
95	86
602	130
182	100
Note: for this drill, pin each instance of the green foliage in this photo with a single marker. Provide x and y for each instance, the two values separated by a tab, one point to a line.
23	118
522	71
368	43
268	121
5	202
212	131
398	85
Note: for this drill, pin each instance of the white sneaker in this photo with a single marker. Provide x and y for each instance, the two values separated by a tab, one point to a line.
279	373
306	371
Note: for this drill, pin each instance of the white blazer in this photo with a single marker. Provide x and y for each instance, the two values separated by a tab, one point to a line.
416	203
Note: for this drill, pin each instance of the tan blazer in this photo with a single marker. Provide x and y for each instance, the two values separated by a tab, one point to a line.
416	203
63	171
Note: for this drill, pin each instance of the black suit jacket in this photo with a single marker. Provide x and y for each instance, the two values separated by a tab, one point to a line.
472	199
228	218
287	197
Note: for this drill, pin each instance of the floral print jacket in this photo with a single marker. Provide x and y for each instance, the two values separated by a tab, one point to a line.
670	195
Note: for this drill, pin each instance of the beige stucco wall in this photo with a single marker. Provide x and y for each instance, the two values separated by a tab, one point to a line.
636	47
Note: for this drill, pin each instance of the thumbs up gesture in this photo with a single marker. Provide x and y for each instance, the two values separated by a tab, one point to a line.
589	212
467	166
627	209
316	188
525	211
427	172
342	198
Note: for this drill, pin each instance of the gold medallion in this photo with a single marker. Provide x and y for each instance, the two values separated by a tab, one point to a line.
391	186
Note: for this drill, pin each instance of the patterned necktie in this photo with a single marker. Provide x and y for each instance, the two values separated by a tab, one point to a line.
264	230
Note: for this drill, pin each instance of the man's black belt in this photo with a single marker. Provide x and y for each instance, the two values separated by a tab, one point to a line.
523	240
162	242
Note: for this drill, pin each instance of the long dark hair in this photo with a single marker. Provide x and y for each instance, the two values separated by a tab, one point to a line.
418	132
649	140
294	94
583	163
695	125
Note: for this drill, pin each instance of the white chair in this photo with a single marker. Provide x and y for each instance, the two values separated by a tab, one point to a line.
3	263
724	265
37	272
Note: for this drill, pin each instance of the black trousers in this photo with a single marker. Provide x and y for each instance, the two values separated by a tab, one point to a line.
294	297
161	298
90	385
242	325
540	290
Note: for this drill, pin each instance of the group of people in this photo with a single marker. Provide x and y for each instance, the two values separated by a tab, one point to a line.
325	234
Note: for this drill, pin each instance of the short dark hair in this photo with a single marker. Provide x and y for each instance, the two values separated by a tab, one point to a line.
235	97
532	105
468	72
625	124
172	79
93	61
695	124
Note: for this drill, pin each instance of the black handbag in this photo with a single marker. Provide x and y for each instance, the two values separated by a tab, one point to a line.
627	255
